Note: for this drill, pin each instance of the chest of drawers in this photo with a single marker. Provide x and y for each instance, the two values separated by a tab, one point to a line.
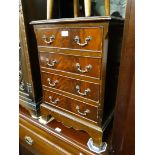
79	60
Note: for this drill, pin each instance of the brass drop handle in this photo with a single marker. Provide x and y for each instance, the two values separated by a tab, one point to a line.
51	39
28	140
77	40
87	68
84	93
82	113
53	84
52	63
55	101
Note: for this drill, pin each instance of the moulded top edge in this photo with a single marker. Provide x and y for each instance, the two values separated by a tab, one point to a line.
73	20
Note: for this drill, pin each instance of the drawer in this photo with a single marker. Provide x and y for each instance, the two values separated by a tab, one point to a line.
38	144
88	38
77	87
74	64
71	105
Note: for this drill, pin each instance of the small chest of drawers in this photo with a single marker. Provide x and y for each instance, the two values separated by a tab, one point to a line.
75	72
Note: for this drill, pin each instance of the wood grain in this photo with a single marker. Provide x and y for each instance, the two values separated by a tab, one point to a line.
40	144
71	105
31	95
68	41
69	85
76	52
75	142
68	63
95	131
78	20
62	50
123	136
24	150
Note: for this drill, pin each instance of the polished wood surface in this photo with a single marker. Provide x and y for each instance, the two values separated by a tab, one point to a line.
51	97
72	75
25	67
68	63
79	20
24	150
72	121
40	144
75	52
63	40
54	81
67	141
30	93
123	139
62	105
31	11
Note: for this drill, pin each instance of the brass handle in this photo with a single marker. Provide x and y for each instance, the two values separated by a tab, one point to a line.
77	40
82	113
85	92
55	101
53	84
52	63
51	39
87	68
28	140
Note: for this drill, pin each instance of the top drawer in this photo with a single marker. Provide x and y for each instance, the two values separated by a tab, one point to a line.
75	38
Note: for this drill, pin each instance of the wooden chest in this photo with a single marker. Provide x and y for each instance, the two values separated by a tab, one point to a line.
79	61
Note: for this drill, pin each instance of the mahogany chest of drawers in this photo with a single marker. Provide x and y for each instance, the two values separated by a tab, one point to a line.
79	61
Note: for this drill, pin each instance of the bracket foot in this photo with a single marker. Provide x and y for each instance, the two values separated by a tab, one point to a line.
45	119
96	149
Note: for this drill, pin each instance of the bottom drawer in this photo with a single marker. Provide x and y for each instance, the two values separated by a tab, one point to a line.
38	144
46	140
71	106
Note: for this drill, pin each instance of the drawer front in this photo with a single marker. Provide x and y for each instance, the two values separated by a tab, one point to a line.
77	87
75	38
71	105
74	64
37	143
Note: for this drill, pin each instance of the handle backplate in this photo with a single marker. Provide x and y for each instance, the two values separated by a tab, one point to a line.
52	84
85	70
55	101
51	63
50	40
77	40
82	113
85	91
28	140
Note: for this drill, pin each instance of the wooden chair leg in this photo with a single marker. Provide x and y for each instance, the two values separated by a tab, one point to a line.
107	7
49	8
87	5
76	8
